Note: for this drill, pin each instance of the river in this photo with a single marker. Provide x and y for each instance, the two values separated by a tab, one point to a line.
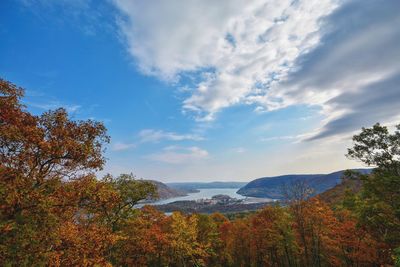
209	193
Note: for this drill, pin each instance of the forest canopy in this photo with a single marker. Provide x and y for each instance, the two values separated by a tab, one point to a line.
54	211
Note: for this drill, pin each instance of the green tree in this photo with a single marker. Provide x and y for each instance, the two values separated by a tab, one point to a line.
378	204
130	191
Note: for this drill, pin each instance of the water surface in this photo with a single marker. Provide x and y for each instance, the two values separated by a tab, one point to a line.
209	193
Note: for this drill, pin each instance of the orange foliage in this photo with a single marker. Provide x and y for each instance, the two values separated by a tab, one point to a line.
82	245
53	211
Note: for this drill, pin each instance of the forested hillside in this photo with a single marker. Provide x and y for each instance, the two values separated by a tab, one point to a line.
165	192
54	211
271	187
195	186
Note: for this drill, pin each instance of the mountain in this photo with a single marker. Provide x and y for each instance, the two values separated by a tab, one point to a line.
271	187
199	185
336	194
165	192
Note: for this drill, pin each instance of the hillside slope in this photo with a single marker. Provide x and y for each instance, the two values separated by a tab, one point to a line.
205	185
336	194
165	192
271	187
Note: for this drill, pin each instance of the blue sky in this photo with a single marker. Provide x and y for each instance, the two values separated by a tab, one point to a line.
210	90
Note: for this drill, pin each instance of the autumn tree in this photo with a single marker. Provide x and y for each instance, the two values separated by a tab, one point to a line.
272	238
38	154
237	238
296	195
355	245
185	249
144	240
50	201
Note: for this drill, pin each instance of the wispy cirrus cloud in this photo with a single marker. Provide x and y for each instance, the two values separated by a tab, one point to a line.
122	146
71	108
154	136
277	138
87	15
179	155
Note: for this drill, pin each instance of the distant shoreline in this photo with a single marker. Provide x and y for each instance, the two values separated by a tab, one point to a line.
195	207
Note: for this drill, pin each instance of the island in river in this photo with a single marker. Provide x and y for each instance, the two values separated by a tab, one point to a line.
224	203
203	199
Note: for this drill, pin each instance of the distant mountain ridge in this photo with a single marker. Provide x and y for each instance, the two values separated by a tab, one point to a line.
271	187
165	192
205	185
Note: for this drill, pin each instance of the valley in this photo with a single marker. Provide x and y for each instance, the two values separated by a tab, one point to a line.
230	197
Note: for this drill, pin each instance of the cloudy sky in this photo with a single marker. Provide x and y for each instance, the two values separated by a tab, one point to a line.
211	90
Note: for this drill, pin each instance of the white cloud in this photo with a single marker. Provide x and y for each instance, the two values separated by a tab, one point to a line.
54	105
354	73
179	155
151	135
122	146
155	136
273	54
295	138
239	48
277	138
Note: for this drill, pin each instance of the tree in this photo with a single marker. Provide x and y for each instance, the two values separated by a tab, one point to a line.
129	192
378	204
236	235
296	195
296	192
272	238
208	235
144	240
38	154
185	250
53	210
356	247
375	146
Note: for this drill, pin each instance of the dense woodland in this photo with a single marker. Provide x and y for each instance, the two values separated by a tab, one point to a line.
54	211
